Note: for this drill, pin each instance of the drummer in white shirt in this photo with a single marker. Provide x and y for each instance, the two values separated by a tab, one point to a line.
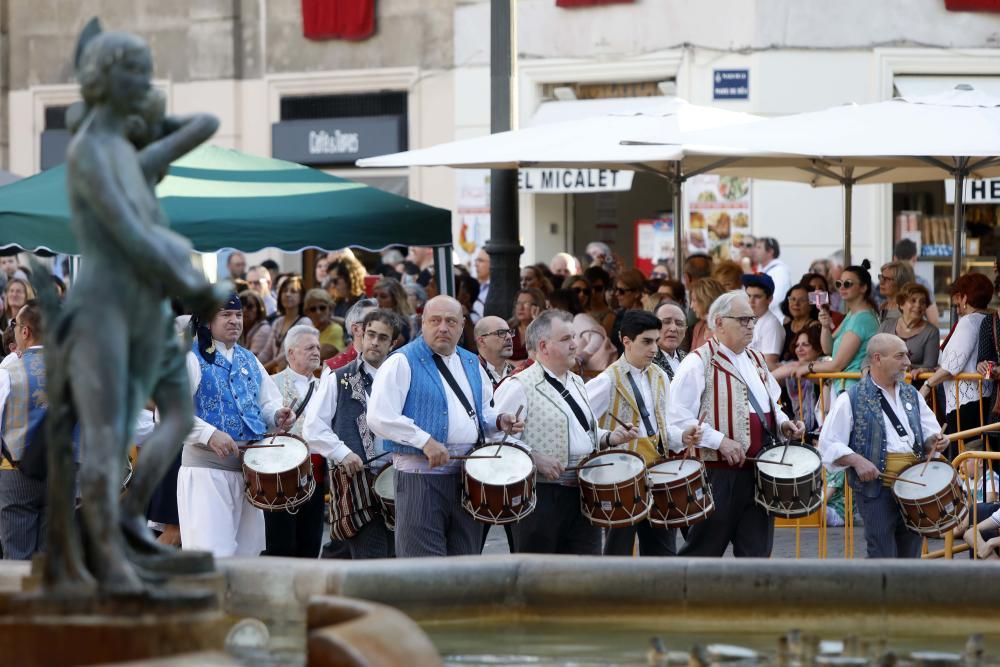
768	334
881	425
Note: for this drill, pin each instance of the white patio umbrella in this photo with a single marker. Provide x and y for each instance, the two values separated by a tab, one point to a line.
593	142
907	139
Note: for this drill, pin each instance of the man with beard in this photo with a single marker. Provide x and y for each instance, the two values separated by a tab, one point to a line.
495	344
300	535
235	402
674	328
336	420
881	425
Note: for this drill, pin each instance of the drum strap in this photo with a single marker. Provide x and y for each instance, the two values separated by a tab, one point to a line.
463	399
570	401
765	423
305	401
891	414
643	412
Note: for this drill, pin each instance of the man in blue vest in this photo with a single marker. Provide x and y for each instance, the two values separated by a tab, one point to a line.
22	394
879	425
431	401
235	402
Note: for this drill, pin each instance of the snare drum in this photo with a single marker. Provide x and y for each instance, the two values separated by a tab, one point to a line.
278	478
789	491
385	492
614	494
681	495
499	491
936	507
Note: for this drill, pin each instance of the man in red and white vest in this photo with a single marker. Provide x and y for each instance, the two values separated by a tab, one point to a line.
729	385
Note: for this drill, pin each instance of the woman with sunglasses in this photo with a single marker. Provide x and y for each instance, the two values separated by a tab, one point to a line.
847	343
598	308
629	292
799	315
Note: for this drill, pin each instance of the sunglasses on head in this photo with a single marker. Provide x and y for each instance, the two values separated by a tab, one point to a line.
846	284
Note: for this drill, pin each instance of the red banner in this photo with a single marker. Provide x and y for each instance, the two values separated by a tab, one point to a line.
590	3
972	5
338	19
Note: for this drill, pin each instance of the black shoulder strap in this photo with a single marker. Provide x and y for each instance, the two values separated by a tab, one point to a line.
305	401
891	414
463	399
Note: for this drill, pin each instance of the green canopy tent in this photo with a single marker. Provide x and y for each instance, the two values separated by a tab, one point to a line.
220	198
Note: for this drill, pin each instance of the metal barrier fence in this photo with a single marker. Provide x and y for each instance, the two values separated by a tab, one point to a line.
819	519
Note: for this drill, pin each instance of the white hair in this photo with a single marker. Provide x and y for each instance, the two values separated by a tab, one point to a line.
295	334
572	264
541	327
724	305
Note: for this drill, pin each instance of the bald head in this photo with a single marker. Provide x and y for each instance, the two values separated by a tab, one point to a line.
494	340
442	324
884	344
887	359
489	324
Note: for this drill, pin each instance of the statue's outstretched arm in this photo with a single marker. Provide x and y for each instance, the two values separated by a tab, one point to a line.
184	134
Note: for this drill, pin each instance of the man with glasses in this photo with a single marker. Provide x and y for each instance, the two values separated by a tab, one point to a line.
336	420
259	280
495	343
353	322
727	386
768	334
674	327
432	401
766	252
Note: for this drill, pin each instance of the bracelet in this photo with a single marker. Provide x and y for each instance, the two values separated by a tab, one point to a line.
811	365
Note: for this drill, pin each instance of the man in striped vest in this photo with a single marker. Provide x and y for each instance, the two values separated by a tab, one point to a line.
729	385
633	390
22	394
336	418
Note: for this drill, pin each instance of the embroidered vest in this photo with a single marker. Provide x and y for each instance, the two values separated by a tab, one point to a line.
426	402
227	396
546	426
623	405
350	423
27	402
285	381
725	402
868	433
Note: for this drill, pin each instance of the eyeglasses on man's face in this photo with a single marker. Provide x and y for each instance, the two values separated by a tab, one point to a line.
499	333
746	321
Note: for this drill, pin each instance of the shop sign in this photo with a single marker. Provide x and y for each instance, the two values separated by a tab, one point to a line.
731	84
337	140
977	191
555	181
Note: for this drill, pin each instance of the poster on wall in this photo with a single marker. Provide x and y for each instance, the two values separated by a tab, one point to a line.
718	214
654	242
472	213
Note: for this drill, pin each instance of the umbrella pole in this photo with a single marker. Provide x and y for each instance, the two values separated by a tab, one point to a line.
958	247
444	271
848	212
677	180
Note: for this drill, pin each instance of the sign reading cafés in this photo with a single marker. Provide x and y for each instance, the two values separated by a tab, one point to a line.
556	181
332	141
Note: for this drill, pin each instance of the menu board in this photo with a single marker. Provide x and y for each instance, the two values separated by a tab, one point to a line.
718	214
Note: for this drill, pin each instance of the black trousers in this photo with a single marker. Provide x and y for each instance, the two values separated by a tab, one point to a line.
737	519
557	526
298	535
653	540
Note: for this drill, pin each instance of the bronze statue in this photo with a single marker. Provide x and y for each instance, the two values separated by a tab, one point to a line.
112	345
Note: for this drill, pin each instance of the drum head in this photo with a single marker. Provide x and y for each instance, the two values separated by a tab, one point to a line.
513	465
385	483
936	478
804	461
276	459
623	467
679	468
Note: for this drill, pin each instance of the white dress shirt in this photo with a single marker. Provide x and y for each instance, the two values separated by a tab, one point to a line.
768	335
480	305
511	395
689	385
386	419
782	277
836	433
673	359
600	391
269	398
5	378
317	428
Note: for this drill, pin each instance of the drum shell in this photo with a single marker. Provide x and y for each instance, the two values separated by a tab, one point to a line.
682	500
284	490
936	513
498	504
614	505
789	497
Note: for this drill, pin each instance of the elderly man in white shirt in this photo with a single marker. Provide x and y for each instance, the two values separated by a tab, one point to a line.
431	401
337	419
881	426
727	384
768	334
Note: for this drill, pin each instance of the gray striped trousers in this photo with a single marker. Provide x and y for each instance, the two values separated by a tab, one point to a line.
22	515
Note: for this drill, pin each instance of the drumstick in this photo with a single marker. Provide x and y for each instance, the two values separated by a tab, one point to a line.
773	463
662	472
687	450
620	422
466	458
517	415
376	458
276	433
896	478
588	467
260	447
930	455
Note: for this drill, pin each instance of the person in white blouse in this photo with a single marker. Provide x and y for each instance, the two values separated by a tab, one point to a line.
727	385
336	420
768	334
560	430
880	425
235	402
431	401
634	390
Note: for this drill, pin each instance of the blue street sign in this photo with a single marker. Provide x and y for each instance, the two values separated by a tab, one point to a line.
731	84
